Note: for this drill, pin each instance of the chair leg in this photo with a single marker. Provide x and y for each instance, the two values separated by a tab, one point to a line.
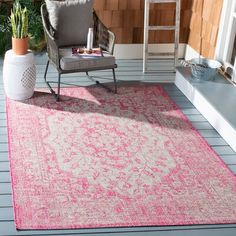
45	79
108	88
58	87
114	77
57	96
46	71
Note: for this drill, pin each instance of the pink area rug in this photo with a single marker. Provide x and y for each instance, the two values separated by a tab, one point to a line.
102	160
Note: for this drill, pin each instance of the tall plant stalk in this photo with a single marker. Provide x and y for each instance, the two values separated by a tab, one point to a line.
19	21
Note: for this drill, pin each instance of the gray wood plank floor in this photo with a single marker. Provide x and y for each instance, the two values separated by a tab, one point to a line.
128	70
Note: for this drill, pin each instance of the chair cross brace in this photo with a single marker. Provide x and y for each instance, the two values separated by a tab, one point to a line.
60	72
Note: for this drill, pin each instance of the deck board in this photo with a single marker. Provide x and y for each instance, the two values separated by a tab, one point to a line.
3	147
229	159
201	125
4	166
223	150
189	111
216	141
7	229
209	133
3	155
6	214
128	70
3	131
2	116
232	168
5	188
4	177
5	201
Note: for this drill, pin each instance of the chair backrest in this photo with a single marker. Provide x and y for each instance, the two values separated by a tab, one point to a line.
70	20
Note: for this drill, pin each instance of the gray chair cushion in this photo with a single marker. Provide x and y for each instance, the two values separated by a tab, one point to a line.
70	20
85	62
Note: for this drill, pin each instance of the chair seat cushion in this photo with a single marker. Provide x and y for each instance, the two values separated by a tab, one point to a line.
87	62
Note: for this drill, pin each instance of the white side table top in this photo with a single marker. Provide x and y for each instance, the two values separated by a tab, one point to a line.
11	57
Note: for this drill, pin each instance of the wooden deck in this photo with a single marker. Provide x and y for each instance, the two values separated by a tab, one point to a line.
128	70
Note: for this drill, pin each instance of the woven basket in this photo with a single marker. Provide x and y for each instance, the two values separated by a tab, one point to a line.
202	68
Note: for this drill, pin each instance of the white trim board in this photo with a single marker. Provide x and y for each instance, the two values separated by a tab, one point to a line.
214	117
224	20
135	51
226	36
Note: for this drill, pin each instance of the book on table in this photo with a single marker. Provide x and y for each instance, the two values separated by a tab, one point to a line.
84	53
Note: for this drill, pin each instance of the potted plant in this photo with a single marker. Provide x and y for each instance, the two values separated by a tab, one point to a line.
19	70
19	24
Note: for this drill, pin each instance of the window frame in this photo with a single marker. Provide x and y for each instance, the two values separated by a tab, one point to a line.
226	38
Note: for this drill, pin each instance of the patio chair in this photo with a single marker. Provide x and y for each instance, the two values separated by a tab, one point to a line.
66	25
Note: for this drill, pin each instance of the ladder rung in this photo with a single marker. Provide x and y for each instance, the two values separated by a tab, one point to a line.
164	54
162	1
160	71
162	27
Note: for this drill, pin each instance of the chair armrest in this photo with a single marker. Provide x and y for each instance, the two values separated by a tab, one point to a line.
104	38
112	39
53	51
52	47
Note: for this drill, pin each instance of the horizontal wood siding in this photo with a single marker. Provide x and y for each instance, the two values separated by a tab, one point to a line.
125	18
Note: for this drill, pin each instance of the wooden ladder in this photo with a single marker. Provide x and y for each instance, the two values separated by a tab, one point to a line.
147	28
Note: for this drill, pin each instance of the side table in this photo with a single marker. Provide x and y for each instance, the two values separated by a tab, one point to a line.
19	75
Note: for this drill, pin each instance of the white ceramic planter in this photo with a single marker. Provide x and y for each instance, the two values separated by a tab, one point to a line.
19	75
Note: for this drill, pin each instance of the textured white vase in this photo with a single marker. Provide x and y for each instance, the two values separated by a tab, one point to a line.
19	75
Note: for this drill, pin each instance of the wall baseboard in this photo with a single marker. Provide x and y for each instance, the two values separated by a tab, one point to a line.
135	51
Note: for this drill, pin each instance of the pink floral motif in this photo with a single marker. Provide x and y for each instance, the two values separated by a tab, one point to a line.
97	159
